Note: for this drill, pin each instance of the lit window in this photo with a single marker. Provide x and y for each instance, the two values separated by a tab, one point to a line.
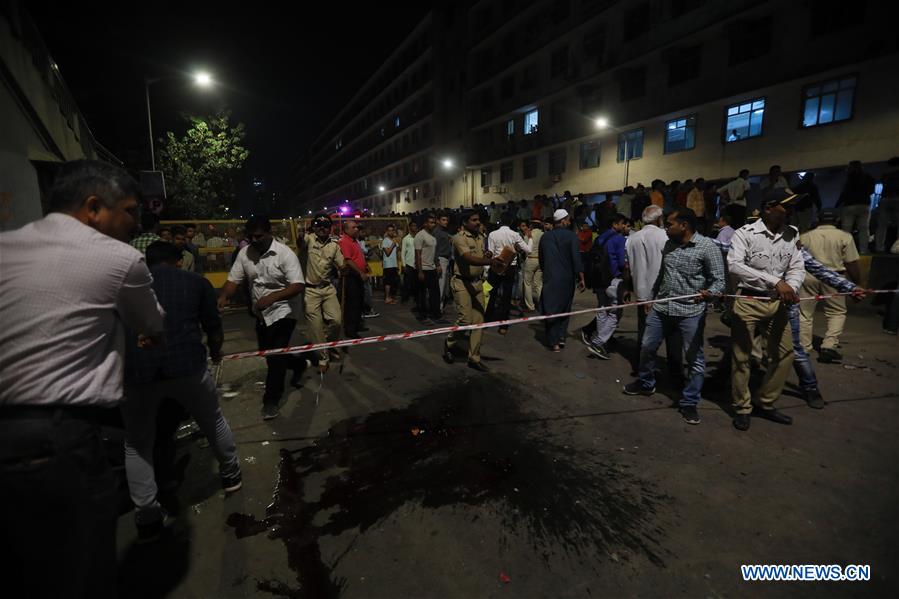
633	142
510	128
828	102
744	120
531	121
680	134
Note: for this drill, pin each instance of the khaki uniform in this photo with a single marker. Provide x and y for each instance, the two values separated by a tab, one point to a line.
833	248
468	291
321	306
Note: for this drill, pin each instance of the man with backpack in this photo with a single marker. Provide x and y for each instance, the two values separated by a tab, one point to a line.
605	270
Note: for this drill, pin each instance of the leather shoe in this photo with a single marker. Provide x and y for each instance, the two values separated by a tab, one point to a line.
478	366
448	356
774	416
741	422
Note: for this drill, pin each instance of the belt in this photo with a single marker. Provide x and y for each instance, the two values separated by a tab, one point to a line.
754	292
56	412
322	285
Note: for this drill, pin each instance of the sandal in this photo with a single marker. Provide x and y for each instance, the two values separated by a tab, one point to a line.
556	348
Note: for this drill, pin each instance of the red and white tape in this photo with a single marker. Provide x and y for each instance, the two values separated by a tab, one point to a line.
299	349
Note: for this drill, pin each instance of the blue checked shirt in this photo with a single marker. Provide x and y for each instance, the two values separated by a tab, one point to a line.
687	269
190	309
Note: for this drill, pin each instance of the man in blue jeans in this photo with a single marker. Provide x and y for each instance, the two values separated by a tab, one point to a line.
691	264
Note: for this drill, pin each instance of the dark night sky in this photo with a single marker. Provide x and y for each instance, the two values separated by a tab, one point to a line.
284	76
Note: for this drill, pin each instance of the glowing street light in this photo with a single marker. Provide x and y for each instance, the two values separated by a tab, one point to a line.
203	79
447	163
602	122
381	188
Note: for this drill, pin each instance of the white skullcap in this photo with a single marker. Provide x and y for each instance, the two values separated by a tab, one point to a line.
560	215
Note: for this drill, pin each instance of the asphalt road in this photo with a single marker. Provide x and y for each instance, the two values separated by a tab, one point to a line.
405	477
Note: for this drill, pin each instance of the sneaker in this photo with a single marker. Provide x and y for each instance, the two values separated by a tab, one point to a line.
599	350
270	411
153	531
232	482
637	388
585	338
690	414
814	399
371	314
480	367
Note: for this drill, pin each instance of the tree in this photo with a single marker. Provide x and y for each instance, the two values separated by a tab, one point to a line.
202	167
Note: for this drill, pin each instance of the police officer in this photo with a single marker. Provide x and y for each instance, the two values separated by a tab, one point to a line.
320	255
468	287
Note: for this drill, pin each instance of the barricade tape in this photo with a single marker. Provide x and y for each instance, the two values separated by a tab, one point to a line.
299	349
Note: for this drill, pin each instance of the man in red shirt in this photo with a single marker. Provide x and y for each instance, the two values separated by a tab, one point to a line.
352	292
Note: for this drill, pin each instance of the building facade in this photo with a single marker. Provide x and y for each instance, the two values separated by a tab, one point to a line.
684	89
40	124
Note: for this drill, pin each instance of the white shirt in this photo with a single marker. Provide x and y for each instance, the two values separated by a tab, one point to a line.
272	271
67	292
758	259
506	237
736	191
644	255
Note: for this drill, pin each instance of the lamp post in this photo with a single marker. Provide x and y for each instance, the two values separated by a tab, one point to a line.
201	79
603	123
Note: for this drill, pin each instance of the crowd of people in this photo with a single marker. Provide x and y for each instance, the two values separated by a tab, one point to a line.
98	318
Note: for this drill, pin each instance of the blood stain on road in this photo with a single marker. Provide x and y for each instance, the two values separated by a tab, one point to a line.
475	447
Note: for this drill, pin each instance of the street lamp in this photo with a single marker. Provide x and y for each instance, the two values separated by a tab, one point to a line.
447	163
201	79
381	188
603	123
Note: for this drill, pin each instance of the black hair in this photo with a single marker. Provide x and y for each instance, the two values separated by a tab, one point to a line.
505	219
179	230
619	218
148	221
745	170
162	252
258	223
190	225
77	180
467	214
727	218
685	215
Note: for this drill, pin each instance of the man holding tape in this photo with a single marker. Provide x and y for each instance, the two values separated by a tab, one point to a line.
766	263
691	264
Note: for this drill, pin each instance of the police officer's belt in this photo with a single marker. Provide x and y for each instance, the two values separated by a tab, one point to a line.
322	285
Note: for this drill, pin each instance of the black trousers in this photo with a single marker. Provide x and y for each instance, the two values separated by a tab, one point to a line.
352	295
429	296
410	284
58	508
500	303
274	336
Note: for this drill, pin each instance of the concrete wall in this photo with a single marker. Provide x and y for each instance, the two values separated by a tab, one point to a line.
38	121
